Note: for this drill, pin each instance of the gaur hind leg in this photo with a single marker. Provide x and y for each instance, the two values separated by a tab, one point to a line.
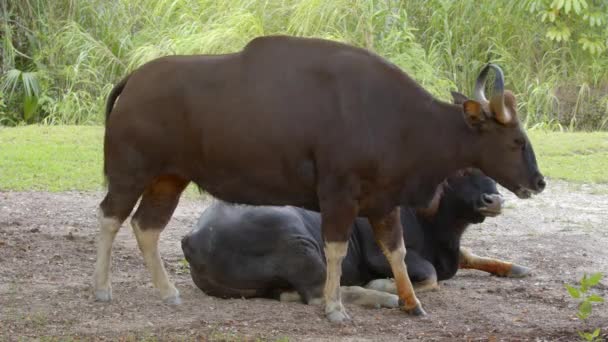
497	267
389	236
154	212
113	210
421	272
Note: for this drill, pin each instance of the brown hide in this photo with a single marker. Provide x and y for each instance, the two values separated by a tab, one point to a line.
269	124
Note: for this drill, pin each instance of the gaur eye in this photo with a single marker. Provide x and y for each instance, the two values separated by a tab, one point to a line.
520	143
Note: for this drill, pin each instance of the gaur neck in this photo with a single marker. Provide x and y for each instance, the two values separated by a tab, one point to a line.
453	143
442	244
440	142
444	229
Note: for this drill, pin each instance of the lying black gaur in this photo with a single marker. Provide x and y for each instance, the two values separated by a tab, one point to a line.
277	252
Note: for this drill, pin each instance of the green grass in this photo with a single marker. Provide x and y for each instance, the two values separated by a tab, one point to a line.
62	158
52	158
577	157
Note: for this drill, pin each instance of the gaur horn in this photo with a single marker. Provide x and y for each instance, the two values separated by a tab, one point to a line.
497	103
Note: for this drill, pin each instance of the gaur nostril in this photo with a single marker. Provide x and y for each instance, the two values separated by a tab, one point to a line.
540	183
487	199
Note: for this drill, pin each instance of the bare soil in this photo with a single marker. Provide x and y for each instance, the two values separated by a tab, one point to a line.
47	253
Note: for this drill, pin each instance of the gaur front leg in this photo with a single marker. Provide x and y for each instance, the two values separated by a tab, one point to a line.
497	267
337	218
389	236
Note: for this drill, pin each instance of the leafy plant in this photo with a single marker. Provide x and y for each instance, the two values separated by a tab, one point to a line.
26	85
586	299
564	18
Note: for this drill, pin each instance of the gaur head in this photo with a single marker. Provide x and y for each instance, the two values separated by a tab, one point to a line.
506	154
468	195
472	196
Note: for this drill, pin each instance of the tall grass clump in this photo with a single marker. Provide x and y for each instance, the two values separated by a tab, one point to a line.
61	58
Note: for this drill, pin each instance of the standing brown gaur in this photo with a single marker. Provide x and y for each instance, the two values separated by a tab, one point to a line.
302	122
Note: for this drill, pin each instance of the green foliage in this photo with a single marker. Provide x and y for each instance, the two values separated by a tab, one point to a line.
557	87
75	50
3	110
585	19
590	336
585	299
24	84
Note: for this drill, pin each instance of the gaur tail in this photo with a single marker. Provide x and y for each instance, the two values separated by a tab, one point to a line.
114	93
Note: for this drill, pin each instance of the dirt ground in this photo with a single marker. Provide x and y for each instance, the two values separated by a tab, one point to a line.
47	253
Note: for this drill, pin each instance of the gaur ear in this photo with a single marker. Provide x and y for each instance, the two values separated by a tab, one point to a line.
458	98
473	113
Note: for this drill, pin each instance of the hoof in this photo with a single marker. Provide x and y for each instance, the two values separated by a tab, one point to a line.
338	316
518	271
416	311
173	300
103	295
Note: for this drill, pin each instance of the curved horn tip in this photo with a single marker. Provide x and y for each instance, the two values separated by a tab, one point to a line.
493	65
481	81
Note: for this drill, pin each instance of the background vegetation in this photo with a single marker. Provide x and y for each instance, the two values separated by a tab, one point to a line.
60	58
